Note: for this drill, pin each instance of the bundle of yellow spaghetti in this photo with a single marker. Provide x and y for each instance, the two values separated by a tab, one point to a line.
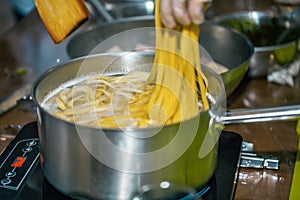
174	91
177	73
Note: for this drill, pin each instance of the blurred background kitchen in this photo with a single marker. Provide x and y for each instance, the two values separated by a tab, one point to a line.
26	50
33	52
14	10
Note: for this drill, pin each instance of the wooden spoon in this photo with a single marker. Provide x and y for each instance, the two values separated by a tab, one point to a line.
62	17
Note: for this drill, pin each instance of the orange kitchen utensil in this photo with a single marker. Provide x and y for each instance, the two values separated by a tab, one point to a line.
62	17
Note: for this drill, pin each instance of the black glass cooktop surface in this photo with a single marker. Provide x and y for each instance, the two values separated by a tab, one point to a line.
21	177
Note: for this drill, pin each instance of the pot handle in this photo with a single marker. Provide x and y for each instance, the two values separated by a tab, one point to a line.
276	113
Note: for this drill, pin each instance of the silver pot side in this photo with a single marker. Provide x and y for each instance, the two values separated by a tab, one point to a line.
72	169
77	162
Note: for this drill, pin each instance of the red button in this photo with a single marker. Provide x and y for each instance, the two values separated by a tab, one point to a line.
19	161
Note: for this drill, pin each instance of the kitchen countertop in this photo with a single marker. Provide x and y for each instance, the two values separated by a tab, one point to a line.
28	47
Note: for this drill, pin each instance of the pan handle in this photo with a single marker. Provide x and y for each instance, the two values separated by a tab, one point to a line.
98	6
246	115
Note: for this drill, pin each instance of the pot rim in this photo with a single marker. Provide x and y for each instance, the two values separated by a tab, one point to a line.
54	68
275	47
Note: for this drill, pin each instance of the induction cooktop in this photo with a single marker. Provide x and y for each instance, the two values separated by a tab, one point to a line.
21	177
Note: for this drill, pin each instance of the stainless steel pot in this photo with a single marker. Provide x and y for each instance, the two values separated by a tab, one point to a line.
85	162
93	163
275	38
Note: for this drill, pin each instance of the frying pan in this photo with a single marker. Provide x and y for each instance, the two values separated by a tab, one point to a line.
226	47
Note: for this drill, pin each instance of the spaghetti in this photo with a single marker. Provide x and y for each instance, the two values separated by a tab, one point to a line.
177	73
174	91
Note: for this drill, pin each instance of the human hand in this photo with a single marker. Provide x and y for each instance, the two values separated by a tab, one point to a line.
183	12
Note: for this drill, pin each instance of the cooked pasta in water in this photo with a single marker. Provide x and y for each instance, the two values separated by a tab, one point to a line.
174	91
104	101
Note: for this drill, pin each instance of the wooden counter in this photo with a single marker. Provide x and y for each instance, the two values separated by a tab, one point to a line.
278	139
29	47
